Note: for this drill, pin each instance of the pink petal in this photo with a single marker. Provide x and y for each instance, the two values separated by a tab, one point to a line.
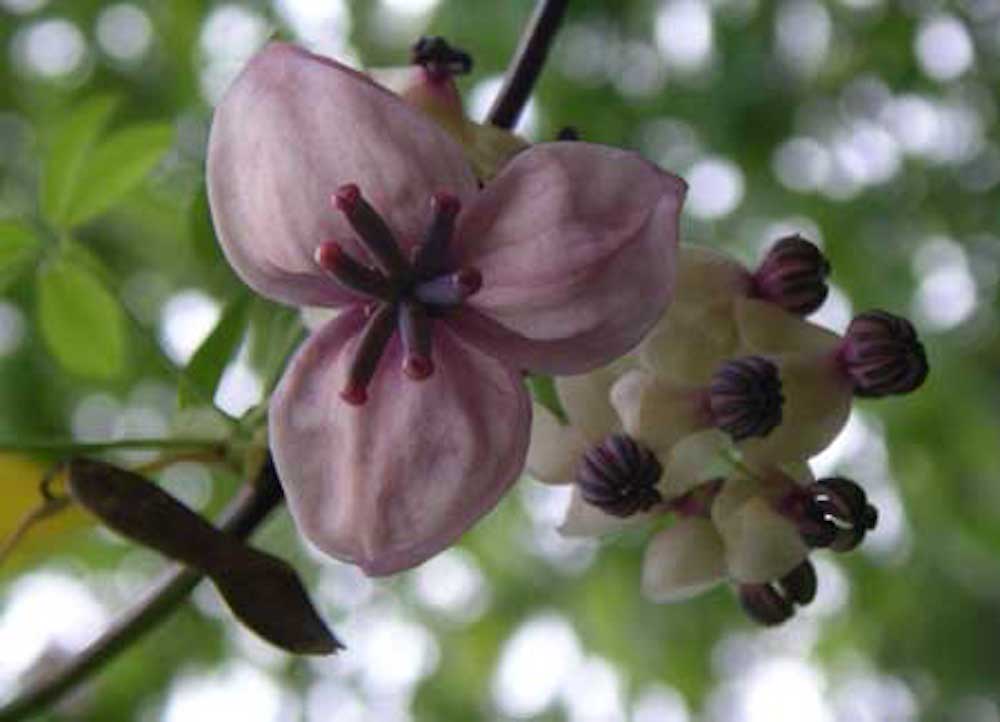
291	130
577	246
391	483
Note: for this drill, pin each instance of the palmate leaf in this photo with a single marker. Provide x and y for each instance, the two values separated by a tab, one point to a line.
204	371
71	144
18	246
81	321
83	175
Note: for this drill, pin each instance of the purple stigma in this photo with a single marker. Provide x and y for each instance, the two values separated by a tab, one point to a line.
745	397
793	276
619	476
882	355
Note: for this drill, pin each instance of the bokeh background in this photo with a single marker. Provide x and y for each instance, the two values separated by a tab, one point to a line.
870	126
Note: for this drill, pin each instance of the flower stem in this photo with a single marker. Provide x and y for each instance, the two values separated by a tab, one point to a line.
243	514
66	447
527	63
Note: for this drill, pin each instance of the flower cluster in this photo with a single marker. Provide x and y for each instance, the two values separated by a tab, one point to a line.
452	265
712	421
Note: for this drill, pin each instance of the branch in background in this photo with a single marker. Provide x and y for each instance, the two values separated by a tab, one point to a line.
527	64
243	514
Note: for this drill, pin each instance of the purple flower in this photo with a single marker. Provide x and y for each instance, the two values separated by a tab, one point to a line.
404	419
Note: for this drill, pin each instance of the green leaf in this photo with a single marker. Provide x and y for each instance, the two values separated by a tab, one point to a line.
116	167
81	321
204	371
18	246
543	390
68	150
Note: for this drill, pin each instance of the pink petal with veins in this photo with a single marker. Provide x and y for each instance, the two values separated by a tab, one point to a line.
290	131
577	246
389	484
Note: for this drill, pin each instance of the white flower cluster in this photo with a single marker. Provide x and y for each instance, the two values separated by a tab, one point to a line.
711	422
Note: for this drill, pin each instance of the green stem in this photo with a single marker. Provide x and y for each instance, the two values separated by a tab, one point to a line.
63	446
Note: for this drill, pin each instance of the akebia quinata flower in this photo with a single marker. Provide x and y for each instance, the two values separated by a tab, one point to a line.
404	419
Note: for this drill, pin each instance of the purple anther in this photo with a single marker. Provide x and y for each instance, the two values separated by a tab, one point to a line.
765	604
450	289
432	256
793	276
374	234
439	59
348	272
368	353
882	355
415	332
745	397
619	476
799	585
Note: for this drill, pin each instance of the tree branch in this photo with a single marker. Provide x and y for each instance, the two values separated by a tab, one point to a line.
243	514
527	63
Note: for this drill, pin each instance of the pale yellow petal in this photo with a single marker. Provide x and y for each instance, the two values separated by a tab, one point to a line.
683	561
555	448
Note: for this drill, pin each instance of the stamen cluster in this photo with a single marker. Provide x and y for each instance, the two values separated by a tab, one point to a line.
405	295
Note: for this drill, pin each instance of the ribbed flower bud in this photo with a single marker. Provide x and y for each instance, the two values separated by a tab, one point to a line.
619	476
833	512
774	603
793	276
745	397
882	355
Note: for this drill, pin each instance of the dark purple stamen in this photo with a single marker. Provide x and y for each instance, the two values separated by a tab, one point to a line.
745	397
377	238
793	276
882	355
432	255
833	512
401	297
619	476
775	602
439	59
371	346
415	331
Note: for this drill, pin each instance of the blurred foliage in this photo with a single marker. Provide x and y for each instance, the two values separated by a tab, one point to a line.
104	218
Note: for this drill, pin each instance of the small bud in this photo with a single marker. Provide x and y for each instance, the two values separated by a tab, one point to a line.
439	58
765	604
834	512
793	276
619	476
882	355
745	397
799	585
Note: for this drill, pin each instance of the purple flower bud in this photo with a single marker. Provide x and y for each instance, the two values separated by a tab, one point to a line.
882	355
793	276
799	585
619	476
745	397
765	604
774	603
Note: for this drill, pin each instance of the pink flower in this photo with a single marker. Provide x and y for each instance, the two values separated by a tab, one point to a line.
404	419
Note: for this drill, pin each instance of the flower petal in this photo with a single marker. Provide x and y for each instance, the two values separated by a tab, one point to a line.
693	460
706	276
291	130
766	328
555	448
817	404
391	483
587	401
688	346
683	561
576	244
761	545
655	412
586	520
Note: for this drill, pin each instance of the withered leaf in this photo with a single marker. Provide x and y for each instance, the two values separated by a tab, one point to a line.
264	592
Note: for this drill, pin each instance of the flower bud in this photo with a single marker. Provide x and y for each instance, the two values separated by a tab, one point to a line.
882	355
774	603
619	476
833	512
793	276
745	397
765	604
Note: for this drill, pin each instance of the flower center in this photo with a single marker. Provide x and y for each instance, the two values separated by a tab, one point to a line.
403	295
